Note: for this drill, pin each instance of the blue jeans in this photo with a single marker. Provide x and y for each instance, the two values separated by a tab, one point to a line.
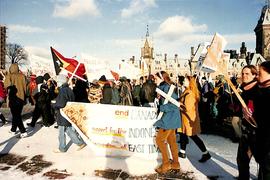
73	135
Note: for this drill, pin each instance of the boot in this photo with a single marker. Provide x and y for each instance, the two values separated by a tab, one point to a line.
182	155
205	157
175	166
163	168
30	124
2	117
81	146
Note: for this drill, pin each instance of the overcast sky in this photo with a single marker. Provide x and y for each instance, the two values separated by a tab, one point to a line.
115	29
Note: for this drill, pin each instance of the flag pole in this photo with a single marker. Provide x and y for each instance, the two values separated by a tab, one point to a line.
72	73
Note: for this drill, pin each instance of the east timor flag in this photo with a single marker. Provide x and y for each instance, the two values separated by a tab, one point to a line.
68	64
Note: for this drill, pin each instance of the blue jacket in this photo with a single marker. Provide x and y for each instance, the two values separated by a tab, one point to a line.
65	95
171	118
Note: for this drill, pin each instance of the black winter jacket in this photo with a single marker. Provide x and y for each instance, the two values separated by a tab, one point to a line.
261	115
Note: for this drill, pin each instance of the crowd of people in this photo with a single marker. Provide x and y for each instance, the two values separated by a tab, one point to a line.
201	102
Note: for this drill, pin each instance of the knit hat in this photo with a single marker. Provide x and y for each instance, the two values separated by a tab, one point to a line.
61	79
103	78
46	76
39	79
33	77
123	78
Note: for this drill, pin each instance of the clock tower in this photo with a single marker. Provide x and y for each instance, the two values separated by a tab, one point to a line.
262	31
147	56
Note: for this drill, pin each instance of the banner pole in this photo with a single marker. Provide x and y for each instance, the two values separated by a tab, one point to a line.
251	120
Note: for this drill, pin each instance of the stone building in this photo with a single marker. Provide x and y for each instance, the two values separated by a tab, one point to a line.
262	31
2	46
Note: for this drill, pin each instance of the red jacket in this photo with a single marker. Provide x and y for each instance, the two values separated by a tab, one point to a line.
3	93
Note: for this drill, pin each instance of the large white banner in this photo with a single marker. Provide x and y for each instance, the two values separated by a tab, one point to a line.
114	130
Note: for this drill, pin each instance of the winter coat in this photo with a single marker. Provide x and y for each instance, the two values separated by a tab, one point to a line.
171	118
190	114
261	115
125	94
106	94
15	104
43	101
3	93
80	91
18	79
115	96
65	95
148	92
136	95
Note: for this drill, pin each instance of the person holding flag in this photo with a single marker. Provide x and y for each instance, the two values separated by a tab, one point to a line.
65	94
247	142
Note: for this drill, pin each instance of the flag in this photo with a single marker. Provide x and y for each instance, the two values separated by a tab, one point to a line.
200	55
214	53
68	64
115	75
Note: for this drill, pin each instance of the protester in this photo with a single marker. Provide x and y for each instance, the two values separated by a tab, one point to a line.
16	107
106	90
136	92
190	119
125	92
65	95
169	121
115	93
148	91
15	83
31	86
43	99
181	87
51	85
2	96
223	100
205	104
261	114
95	92
247	141
17	79
80	91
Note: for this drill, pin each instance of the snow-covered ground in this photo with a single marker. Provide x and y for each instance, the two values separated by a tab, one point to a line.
43	140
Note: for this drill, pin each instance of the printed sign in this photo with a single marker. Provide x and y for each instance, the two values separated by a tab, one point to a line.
113	130
214	53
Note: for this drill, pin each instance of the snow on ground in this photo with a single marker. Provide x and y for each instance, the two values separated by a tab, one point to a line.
43	140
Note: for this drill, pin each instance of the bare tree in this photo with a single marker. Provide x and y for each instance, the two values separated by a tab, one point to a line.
16	53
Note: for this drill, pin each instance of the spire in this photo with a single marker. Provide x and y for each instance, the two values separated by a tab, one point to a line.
266	18
146	43
265	15
147	31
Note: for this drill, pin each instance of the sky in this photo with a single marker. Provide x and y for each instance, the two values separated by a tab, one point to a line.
113	30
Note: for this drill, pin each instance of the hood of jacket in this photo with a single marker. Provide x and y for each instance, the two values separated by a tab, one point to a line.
14	68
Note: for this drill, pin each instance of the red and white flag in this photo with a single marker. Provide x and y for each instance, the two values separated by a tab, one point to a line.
70	65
